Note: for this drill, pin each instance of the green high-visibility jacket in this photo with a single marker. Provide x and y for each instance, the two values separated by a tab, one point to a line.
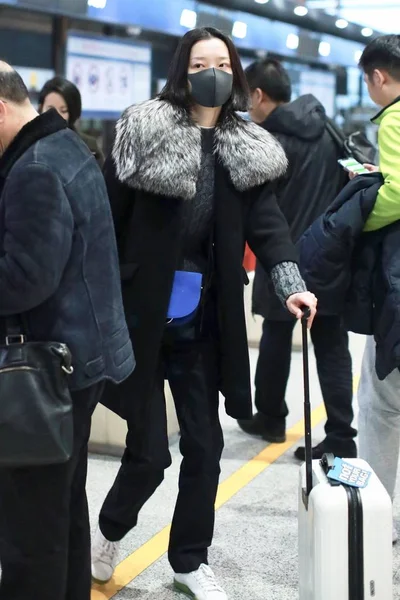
387	206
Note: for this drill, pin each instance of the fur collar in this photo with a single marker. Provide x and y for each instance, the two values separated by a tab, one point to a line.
46	124
158	149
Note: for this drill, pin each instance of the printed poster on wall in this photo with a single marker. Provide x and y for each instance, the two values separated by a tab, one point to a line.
34	79
110	74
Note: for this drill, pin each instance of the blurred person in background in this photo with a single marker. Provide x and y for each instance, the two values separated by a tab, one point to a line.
311	182
59	274
379	400
188	182
64	96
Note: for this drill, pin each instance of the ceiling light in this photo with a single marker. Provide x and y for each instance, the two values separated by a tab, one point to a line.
292	41
301	11
367	31
239	30
97	3
188	18
324	49
261	1
133	30
341	23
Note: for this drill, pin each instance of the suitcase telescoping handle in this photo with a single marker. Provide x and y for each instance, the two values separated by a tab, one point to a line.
307	405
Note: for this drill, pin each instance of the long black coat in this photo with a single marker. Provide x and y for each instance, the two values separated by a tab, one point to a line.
153	171
310	184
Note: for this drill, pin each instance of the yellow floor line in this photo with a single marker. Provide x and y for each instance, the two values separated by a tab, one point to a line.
154	549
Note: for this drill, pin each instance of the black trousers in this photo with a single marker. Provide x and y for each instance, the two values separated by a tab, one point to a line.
44	521
188	360
331	347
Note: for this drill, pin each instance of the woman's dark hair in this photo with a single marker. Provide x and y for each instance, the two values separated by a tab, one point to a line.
272	78
176	90
69	92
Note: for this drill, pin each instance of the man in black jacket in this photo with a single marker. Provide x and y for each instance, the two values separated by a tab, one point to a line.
309	186
59	271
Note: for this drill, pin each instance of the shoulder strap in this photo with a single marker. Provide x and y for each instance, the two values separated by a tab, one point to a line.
210	257
336	133
15	327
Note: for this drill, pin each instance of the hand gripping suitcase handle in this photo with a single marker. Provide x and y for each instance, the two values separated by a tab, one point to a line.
307	405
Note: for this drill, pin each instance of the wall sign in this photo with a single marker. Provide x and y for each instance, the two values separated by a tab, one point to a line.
34	79
110	74
323	86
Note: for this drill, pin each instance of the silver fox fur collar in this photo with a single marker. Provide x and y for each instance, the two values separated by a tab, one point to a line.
158	150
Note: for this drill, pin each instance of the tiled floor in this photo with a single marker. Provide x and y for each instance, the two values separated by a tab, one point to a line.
255	547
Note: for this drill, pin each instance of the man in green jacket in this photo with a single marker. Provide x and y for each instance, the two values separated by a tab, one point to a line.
379	401
381	64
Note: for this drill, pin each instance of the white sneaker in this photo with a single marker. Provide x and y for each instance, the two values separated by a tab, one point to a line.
200	584
104	558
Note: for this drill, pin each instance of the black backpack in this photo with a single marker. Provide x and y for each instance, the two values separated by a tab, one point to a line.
356	145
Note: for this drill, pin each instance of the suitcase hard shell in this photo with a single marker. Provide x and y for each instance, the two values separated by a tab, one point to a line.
345	533
345	539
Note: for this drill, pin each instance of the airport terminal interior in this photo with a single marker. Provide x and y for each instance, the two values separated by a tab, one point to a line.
117	52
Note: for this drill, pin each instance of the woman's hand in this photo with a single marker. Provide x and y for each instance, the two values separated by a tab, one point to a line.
296	303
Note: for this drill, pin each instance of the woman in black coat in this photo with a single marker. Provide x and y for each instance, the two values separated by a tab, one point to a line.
188	184
64	96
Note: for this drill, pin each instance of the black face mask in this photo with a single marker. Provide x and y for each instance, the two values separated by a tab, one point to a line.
211	87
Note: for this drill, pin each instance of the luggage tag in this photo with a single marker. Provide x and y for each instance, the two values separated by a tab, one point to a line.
349	474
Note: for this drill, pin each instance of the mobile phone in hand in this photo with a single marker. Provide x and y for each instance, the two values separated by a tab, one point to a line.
353	166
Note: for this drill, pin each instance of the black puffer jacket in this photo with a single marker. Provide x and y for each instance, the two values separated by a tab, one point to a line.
355	273
309	186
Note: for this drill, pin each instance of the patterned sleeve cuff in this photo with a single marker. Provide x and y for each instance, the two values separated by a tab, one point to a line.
287	280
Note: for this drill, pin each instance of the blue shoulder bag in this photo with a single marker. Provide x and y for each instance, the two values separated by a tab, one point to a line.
185	298
187	290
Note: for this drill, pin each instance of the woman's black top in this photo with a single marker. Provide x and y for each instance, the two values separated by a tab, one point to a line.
198	213
198	222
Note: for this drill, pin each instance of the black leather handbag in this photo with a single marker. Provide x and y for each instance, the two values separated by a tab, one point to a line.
36	416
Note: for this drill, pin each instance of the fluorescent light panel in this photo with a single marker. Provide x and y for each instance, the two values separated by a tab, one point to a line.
188	18
342	23
239	30
97	3
301	11
363	4
292	41
324	49
367	31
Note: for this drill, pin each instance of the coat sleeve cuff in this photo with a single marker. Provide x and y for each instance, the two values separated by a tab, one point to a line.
287	280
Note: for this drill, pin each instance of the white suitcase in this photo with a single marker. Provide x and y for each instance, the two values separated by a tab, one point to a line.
345	539
345	533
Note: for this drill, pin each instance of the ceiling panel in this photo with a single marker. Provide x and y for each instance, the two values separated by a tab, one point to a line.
384	16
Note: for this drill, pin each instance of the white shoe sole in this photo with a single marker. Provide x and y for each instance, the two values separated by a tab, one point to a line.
101	581
183	589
